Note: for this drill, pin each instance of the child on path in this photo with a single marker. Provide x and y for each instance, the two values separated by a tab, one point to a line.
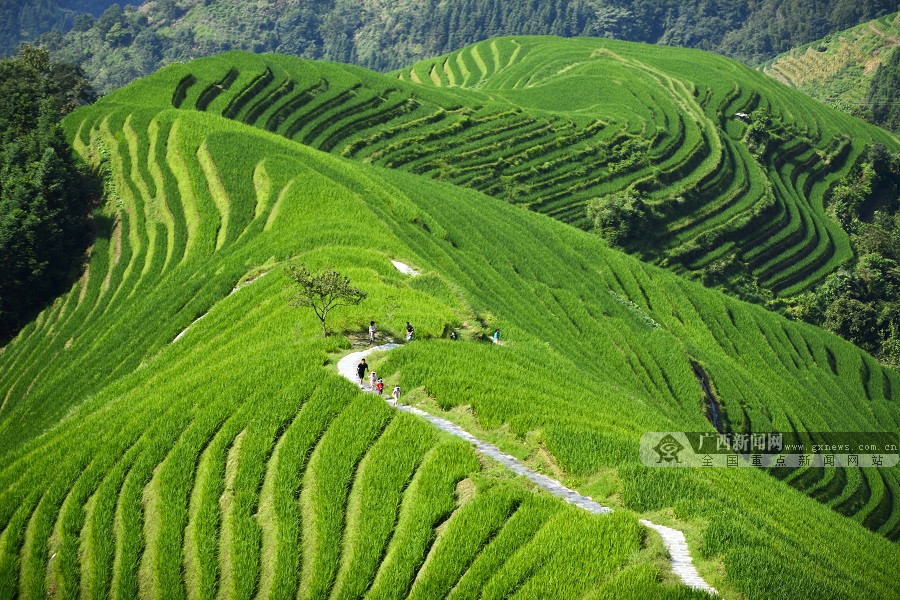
373	378
372	330
361	369
379	386
396	393
496	336
409	332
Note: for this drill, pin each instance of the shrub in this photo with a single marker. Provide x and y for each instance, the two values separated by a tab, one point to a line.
853	320
619	217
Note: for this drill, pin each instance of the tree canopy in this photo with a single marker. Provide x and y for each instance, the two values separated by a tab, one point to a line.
323	292
125	43
44	194
884	91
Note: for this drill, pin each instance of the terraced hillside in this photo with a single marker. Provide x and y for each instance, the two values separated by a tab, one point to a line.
170	427
552	123
227	461
838	69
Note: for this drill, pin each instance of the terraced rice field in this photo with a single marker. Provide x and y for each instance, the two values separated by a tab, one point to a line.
551	123
233	465
838	69
171	427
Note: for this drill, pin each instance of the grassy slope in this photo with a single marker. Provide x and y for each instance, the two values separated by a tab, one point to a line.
551	123
838	69
130	459
215	455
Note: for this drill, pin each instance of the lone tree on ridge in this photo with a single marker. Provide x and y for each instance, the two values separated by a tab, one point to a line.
323	291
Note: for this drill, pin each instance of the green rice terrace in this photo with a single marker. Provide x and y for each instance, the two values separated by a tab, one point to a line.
838	69
171	427
551	123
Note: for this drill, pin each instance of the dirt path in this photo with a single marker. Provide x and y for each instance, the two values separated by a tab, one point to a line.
892	38
674	540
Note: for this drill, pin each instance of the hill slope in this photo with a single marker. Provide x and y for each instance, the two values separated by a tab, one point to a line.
125	45
552	123
26	20
837	70
233	459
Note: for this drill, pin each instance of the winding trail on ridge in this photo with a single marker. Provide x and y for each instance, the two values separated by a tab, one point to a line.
674	540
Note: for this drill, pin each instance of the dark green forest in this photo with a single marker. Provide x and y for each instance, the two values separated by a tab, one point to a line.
884	91
44	193
126	43
25	20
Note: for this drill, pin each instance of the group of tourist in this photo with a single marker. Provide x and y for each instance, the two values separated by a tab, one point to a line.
495	337
409	332
376	382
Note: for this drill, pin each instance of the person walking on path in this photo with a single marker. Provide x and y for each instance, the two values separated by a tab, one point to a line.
372	330
373	377
379	386
409	332
361	369
396	393
496	336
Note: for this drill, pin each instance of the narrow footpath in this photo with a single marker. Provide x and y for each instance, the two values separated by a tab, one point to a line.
674	540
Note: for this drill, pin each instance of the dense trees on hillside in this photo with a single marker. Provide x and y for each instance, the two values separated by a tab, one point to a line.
883	99
620	218
774	26
23	20
862	302
126	42
43	192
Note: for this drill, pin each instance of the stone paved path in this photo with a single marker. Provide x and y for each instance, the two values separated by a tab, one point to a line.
682	563
676	545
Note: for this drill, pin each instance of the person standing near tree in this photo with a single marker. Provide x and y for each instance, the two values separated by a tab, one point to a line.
372	330
361	369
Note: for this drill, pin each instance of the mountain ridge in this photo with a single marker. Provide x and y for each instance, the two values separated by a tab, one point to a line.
125	44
